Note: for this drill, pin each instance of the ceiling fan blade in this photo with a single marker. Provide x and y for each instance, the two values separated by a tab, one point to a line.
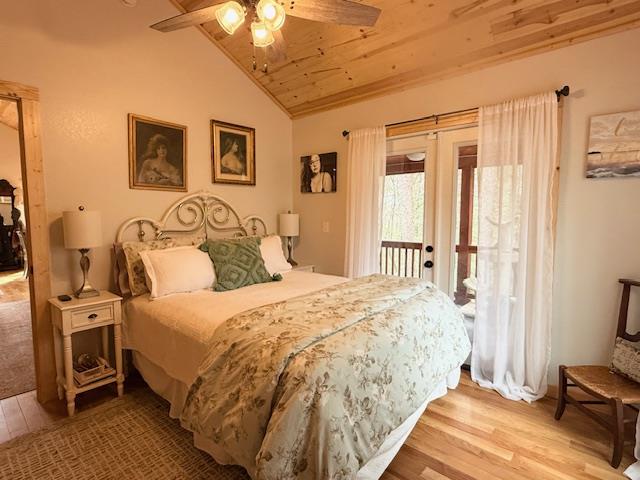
342	12
197	17
277	51
191	5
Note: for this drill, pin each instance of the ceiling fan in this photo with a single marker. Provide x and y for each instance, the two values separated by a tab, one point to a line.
268	16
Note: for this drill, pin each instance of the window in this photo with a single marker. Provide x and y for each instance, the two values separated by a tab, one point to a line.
466	222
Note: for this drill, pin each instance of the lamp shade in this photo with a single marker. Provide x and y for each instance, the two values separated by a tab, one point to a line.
289	224
82	229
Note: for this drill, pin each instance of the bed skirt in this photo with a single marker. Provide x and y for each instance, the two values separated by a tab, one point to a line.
175	392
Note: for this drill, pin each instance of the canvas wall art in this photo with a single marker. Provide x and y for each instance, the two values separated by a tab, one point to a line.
614	145
157	154
233	153
319	173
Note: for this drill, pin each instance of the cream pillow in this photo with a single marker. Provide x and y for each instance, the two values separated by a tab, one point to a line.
177	270
271	251
626	359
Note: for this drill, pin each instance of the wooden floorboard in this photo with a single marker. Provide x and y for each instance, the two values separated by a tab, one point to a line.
15	420
470	434
13	287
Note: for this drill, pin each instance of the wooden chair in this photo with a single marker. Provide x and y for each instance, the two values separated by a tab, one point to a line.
608	387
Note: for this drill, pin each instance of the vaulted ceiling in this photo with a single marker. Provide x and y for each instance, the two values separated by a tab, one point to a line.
414	42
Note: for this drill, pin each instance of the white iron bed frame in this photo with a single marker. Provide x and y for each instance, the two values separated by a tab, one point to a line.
206	213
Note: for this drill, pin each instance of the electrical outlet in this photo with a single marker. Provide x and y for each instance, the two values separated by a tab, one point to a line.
325	226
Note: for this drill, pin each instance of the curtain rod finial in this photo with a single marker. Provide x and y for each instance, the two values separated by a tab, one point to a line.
345	133
563	92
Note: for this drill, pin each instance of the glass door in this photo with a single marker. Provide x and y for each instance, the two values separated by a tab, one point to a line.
408	207
428	228
457	197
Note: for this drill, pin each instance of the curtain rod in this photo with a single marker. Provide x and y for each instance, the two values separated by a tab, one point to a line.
563	92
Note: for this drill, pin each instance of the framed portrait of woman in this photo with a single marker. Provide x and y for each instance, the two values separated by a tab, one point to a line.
157	154
319	173
233	153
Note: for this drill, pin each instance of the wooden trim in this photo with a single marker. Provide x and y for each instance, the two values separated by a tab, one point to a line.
436	122
37	228
176	3
18	91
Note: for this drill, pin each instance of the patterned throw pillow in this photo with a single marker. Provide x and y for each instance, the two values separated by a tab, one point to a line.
626	359
134	265
237	263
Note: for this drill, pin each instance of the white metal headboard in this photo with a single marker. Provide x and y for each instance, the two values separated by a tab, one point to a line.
197	212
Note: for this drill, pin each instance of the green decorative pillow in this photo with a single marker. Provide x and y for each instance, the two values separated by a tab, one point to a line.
237	263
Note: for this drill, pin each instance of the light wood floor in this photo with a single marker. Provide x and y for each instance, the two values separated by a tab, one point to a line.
474	433
13	287
469	434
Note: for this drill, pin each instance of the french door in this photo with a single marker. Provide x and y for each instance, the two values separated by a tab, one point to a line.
434	242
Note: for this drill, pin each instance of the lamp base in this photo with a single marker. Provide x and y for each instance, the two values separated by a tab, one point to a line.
291	261
85	290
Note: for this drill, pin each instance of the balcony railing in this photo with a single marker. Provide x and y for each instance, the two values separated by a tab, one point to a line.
403	259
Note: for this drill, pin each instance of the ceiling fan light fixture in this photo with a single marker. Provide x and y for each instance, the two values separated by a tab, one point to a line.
271	13
230	16
262	36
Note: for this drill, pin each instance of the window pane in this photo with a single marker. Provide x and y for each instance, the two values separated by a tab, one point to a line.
403	207
466	229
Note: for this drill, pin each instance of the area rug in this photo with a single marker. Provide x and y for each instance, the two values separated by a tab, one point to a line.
126	438
17	374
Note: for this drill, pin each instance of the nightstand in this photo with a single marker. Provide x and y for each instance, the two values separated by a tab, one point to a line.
78	315
305	268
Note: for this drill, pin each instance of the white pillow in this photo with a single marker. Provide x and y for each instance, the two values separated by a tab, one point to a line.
271	251
177	270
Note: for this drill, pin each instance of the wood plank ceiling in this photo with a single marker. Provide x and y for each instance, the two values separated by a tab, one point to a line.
413	43
9	113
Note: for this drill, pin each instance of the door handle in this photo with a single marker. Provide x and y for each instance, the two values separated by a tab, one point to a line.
429	248
428	264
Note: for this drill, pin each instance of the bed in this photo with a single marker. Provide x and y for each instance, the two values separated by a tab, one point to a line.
173	341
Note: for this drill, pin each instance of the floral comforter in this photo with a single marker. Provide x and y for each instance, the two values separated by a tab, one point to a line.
309	388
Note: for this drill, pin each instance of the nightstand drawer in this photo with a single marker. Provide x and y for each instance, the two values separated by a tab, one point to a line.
91	315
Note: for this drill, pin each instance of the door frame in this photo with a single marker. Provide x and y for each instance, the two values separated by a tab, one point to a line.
27	99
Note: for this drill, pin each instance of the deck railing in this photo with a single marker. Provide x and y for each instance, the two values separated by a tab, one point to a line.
403	259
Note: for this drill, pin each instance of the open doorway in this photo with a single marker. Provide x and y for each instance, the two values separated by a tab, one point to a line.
17	372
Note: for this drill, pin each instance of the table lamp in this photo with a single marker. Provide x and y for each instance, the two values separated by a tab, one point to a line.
83	231
289	227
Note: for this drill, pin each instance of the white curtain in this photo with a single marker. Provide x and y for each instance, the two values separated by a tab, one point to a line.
517	151
365	182
633	470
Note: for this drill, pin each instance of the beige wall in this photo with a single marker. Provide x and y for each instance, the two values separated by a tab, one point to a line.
599	220
94	62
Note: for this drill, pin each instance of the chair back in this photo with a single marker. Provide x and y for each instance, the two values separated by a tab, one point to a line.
624	310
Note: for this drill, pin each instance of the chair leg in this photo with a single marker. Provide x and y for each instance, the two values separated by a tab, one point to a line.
617	411
562	392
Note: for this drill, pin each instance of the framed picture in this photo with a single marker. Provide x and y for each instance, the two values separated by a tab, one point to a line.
233	153
157	154
318	173
614	145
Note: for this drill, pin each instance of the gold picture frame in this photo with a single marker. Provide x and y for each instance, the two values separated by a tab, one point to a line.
233	153
157	154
